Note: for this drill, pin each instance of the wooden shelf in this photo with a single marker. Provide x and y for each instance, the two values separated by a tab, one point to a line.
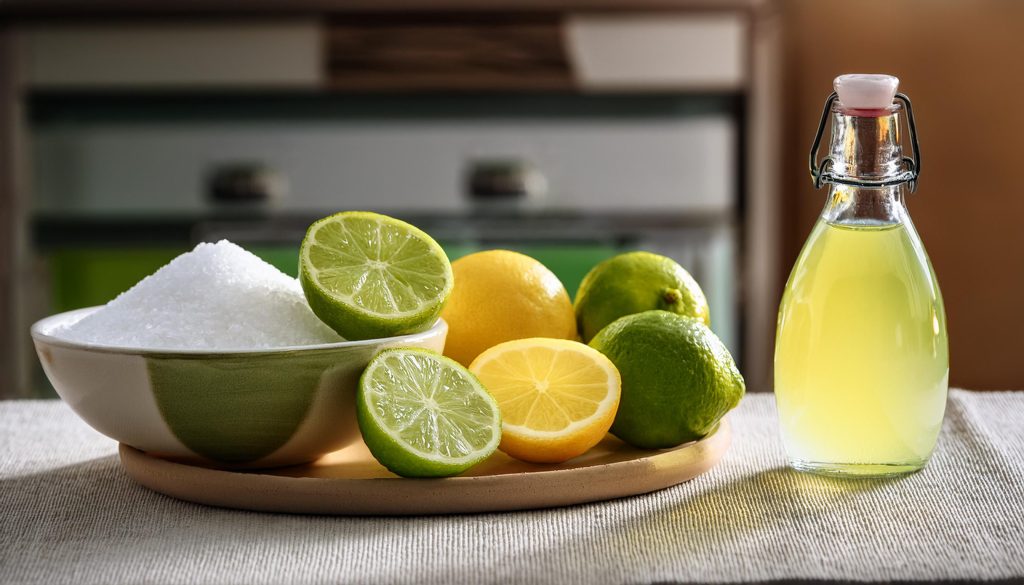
53	9
450	53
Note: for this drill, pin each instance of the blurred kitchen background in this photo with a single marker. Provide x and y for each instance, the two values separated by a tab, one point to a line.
571	131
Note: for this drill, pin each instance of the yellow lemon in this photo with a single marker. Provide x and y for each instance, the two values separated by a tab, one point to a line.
501	295
557	398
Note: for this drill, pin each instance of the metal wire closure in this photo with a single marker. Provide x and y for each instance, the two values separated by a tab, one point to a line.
820	171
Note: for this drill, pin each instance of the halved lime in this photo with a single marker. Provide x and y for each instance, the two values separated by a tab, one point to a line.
368	275
425	415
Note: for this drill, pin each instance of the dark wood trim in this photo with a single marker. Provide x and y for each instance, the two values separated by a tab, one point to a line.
456	52
49	9
762	288
11	382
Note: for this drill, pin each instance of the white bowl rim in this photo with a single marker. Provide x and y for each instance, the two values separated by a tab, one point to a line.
42	332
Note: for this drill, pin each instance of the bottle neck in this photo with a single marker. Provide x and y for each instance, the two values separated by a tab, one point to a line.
865	146
849	205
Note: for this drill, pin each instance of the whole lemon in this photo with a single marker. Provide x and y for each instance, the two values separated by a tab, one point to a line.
500	295
678	378
635	282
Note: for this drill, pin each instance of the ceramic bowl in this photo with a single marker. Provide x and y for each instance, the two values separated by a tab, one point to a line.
260	408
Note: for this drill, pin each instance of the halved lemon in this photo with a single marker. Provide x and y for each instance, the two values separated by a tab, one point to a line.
557	397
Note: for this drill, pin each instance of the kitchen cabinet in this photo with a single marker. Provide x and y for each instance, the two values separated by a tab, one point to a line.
638	114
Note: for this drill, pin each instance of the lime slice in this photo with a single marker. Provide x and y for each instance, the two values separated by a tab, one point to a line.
368	275
425	415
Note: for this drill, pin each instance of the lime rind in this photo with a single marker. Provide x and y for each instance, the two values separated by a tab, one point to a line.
425	415
369	276
678	378
634	282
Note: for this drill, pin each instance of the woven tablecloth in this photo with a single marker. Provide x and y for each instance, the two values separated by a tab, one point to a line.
69	514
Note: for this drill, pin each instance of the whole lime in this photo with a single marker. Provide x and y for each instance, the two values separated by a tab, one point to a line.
678	378
632	283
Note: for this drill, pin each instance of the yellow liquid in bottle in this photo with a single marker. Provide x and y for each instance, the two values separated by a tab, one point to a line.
861	353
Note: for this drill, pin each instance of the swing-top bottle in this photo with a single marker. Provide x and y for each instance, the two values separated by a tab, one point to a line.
861	357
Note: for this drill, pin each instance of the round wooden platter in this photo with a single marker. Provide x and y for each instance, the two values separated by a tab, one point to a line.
351	482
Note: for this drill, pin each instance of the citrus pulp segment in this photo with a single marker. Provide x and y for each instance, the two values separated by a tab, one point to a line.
370	276
557	397
424	415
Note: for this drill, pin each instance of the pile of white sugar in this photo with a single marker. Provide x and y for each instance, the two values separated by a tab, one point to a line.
218	296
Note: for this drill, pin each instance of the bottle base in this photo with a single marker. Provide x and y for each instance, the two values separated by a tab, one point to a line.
857	470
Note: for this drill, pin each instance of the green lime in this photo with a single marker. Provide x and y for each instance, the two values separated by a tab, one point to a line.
632	283
678	378
425	415
368	275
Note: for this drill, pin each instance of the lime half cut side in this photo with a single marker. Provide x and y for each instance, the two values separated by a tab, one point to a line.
424	415
369	276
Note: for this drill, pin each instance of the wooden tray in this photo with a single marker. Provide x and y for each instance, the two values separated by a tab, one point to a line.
351	482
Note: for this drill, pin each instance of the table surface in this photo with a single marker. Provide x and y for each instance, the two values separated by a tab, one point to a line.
69	514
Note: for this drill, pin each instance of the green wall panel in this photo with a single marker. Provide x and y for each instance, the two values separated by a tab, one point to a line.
85	277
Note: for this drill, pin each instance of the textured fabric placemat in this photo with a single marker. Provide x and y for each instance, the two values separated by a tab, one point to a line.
68	514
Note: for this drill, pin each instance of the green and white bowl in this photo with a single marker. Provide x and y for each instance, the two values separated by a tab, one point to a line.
237	408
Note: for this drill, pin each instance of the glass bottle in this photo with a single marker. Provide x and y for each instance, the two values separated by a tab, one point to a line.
861	351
